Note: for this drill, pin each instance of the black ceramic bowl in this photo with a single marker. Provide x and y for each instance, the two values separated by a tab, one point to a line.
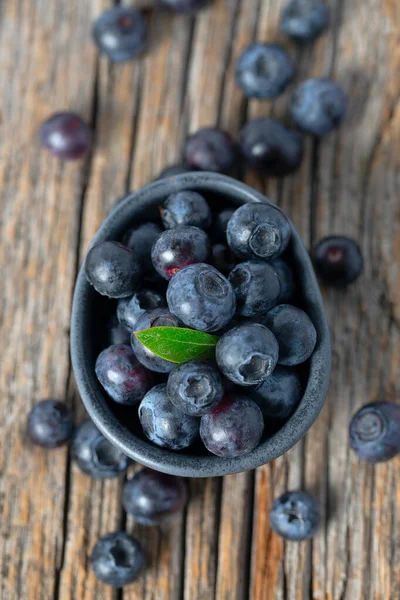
120	424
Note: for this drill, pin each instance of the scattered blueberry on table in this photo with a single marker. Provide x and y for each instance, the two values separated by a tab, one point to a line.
66	135
295	516
50	424
304	20
120	33
117	559
318	106
264	71
210	149
375	432
337	260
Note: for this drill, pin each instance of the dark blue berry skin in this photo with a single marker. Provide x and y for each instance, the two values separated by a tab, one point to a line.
295	516
264	71
153	498
173	171
211	149
163	423
304	20
186	208
112	269
286	279
66	135
158	317
120	33
130	309
195	387
271	148
256	286
318	106
117	559
375	432
116	333
258	231
279	394
184	6
247	354
122	376
201	297
220	224
50	424
233	428
179	247
337	260
223	259
140	239
295	333
95	455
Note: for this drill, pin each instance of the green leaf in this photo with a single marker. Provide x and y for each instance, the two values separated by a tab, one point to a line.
178	344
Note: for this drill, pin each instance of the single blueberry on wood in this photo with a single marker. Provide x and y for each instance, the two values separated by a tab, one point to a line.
318	106
337	260
264	71
120	33
375	432
116	559
66	135
295	516
50	424
304	20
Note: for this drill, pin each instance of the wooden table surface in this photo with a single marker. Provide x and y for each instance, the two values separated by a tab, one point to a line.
222	547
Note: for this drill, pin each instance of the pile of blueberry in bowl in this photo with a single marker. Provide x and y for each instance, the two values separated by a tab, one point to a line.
199	340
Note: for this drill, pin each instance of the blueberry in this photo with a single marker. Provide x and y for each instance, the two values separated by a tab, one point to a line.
211	149
195	387
163	423
256	286
120	33
201	298
286	279
112	269
95	455
122	376
130	309
179	247
279	394
247	354
173	171
158	317
185	208
294	331
50	424
264	71
153	498
258	231
295	516
375	432
304	20
140	239
223	259
116	333
337	260
318	106
184	6
233	428
117	559
221	223
271	148
66	135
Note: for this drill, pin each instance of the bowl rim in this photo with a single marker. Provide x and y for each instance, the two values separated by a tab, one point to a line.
94	397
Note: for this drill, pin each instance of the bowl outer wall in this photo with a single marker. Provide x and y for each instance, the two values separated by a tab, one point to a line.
95	398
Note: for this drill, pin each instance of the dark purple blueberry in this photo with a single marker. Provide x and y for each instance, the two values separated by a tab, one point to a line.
173	171
233	428
130	309
223	258
184	6
117	559
50	424
211	149
294	331
258	230
264	71
247	354
120	33
179	247
295	516
163	423
95	455
201	297
256	286
158	317
337	260
286	279
116	333
122	376
375	432
318	106
279	394
112	269
195	387
153	498
220	224
304	20
140	239
271	148
66	135
185	208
